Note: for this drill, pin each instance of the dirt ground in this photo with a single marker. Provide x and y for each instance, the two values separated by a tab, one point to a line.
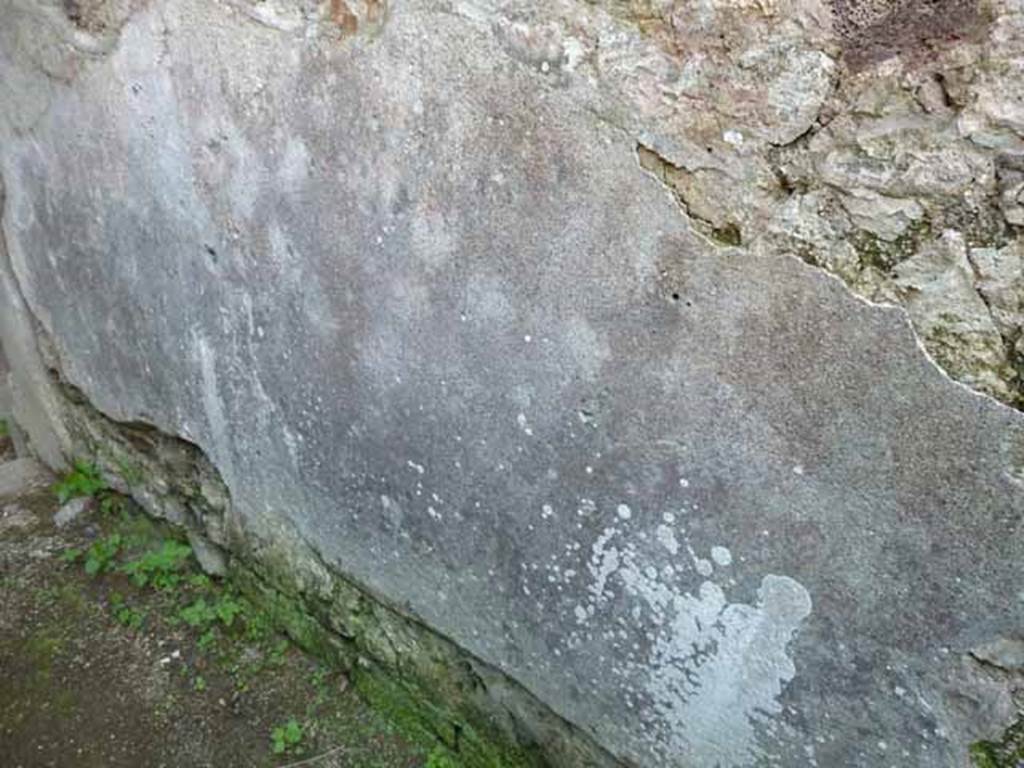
96	670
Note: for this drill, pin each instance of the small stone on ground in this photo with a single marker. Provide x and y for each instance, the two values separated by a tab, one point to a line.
72	511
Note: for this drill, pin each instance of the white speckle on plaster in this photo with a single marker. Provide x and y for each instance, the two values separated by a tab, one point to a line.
418	467
624	512
667	538
573	52
523	425
704	567
603	563
721	556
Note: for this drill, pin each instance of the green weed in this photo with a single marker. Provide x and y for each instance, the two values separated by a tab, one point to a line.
319	682
201	614
125	614
275	658
131	473
207	640
438	758
83	480
112	503
199	581
161	567
259	626
287	737
198	614
100	556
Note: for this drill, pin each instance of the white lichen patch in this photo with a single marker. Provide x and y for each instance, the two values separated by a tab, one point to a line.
714	669
719	668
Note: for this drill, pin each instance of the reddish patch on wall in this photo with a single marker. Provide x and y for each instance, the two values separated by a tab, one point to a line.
342	15
874	30
375	10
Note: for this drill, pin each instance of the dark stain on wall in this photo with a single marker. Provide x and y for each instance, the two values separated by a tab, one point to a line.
872	31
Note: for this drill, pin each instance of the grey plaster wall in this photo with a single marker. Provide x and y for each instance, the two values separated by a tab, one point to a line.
500	305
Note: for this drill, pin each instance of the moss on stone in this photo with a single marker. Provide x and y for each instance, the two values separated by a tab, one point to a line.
288	615
415	688
883	255
728	234
1008	752
983	226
